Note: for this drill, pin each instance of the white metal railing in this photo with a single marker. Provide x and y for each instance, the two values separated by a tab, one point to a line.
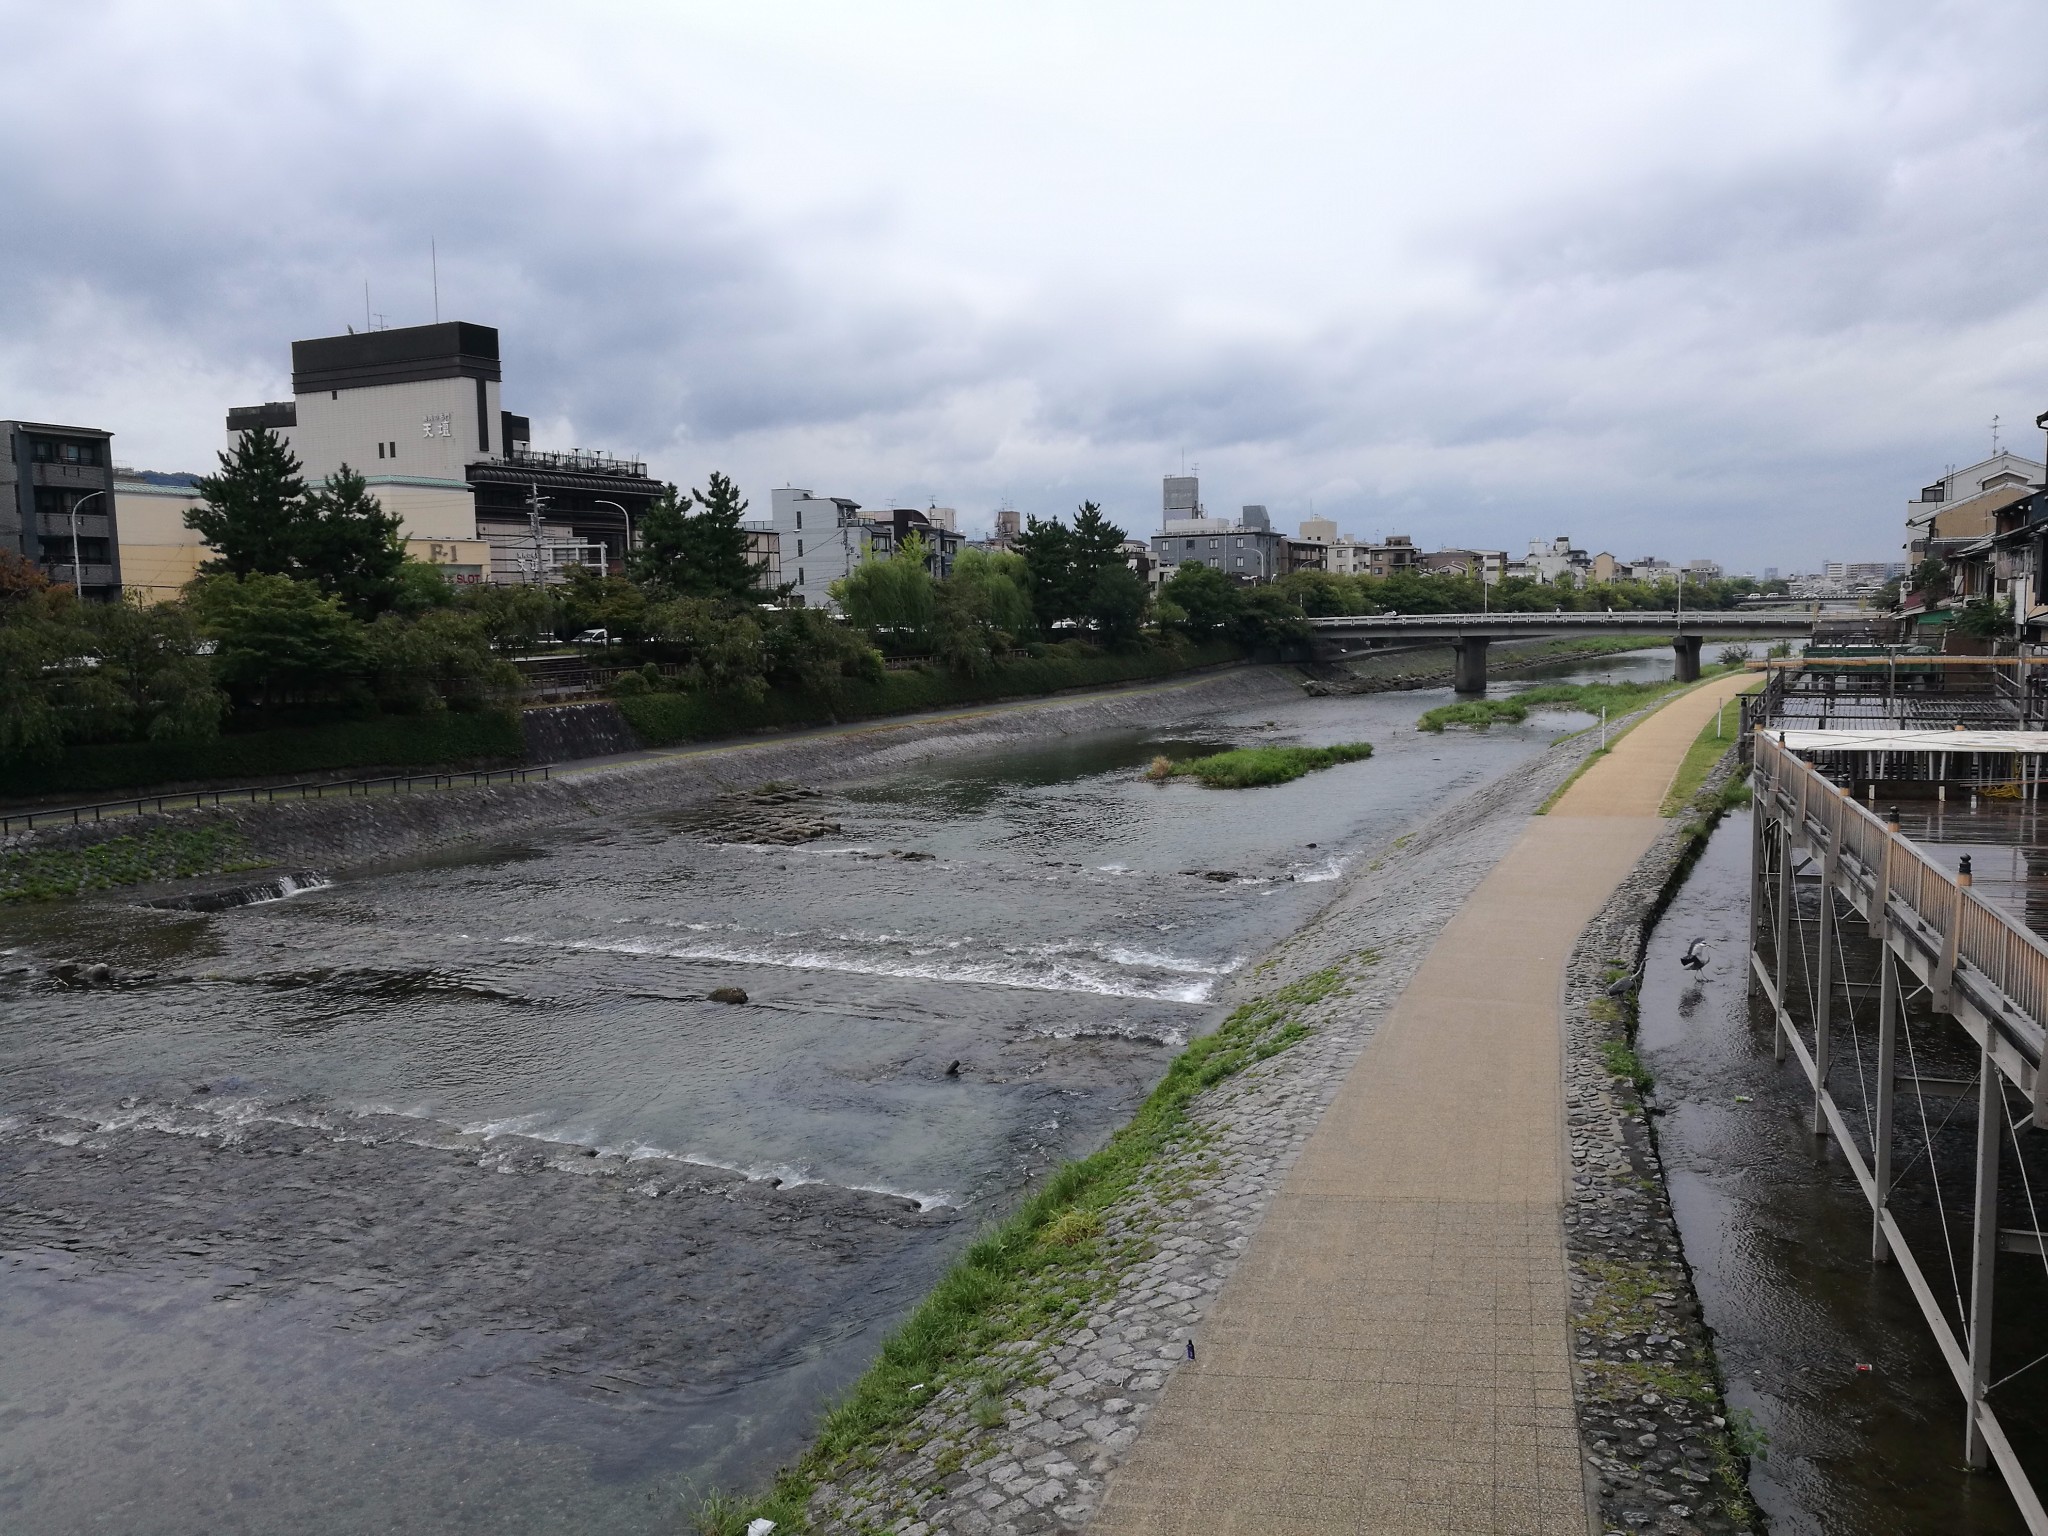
1636	619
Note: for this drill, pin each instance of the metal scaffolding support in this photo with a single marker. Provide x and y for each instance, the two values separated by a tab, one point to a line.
1984	971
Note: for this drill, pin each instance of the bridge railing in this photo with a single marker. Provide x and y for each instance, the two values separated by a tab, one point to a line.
1633	619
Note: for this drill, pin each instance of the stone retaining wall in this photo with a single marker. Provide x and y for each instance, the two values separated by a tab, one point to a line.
1659	1455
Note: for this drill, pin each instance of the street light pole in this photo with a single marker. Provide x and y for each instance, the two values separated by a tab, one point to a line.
77	570
624	517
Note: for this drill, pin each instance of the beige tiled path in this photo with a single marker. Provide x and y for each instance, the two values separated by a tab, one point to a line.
1391	1353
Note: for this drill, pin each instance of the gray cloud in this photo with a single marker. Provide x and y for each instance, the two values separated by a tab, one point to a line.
1755	355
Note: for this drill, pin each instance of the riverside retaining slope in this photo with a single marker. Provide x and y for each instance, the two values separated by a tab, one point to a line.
335	833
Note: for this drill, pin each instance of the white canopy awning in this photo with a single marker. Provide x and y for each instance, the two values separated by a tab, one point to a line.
1913	741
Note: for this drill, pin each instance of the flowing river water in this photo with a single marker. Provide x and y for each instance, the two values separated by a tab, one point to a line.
439	1196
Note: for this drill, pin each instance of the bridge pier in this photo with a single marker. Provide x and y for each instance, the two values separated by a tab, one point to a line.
1470	675
1688	648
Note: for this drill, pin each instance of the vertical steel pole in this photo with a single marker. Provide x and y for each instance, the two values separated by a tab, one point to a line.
1756	876
1984	1247
1824	1004
1784	934
1887	1069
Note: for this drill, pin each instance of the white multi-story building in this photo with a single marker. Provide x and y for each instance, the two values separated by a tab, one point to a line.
819	539
1549	559
416	411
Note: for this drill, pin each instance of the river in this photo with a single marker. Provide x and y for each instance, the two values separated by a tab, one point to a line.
438	1195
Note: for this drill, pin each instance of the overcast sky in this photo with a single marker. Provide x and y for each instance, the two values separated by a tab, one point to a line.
1728	281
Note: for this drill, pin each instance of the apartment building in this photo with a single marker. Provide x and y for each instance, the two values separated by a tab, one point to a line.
57	506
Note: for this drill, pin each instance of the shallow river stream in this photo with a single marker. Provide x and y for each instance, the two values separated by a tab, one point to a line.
440	1197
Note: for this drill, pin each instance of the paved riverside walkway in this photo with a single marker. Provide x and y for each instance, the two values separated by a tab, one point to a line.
1392	1353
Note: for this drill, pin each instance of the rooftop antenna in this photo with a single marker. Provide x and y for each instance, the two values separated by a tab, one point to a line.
366	305
1994	436
434	262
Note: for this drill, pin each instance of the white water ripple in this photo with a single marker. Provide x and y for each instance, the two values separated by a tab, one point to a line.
1044	968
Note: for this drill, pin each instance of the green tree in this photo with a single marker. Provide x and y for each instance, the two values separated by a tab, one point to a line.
421	588
279	641
252	511
662	540
156	683
1047	549
1985	619
721	645
1066	565
1206	601
1002	582
702	554
983	608
1115	606
1266	617
1098	544
589	599
895	597
350	545
440	660
1320	594
515	618
807	650
40	637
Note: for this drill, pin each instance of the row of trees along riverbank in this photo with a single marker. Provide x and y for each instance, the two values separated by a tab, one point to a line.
310	642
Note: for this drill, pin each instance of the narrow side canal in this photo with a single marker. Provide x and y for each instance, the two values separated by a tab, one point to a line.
1827	1353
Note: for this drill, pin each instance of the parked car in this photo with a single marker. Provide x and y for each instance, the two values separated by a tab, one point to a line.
593	637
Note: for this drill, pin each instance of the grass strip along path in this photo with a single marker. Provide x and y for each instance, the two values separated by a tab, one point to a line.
1393	1353
1042	1268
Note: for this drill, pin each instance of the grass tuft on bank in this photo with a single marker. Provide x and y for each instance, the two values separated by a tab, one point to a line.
1034	1273
1256	767
166	853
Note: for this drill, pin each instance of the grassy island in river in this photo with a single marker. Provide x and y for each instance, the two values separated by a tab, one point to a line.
1253	767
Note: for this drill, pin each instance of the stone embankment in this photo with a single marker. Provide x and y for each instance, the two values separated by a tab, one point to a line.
1660	1455
334	833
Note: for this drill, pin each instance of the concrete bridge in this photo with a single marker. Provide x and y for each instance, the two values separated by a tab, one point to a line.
1471	633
